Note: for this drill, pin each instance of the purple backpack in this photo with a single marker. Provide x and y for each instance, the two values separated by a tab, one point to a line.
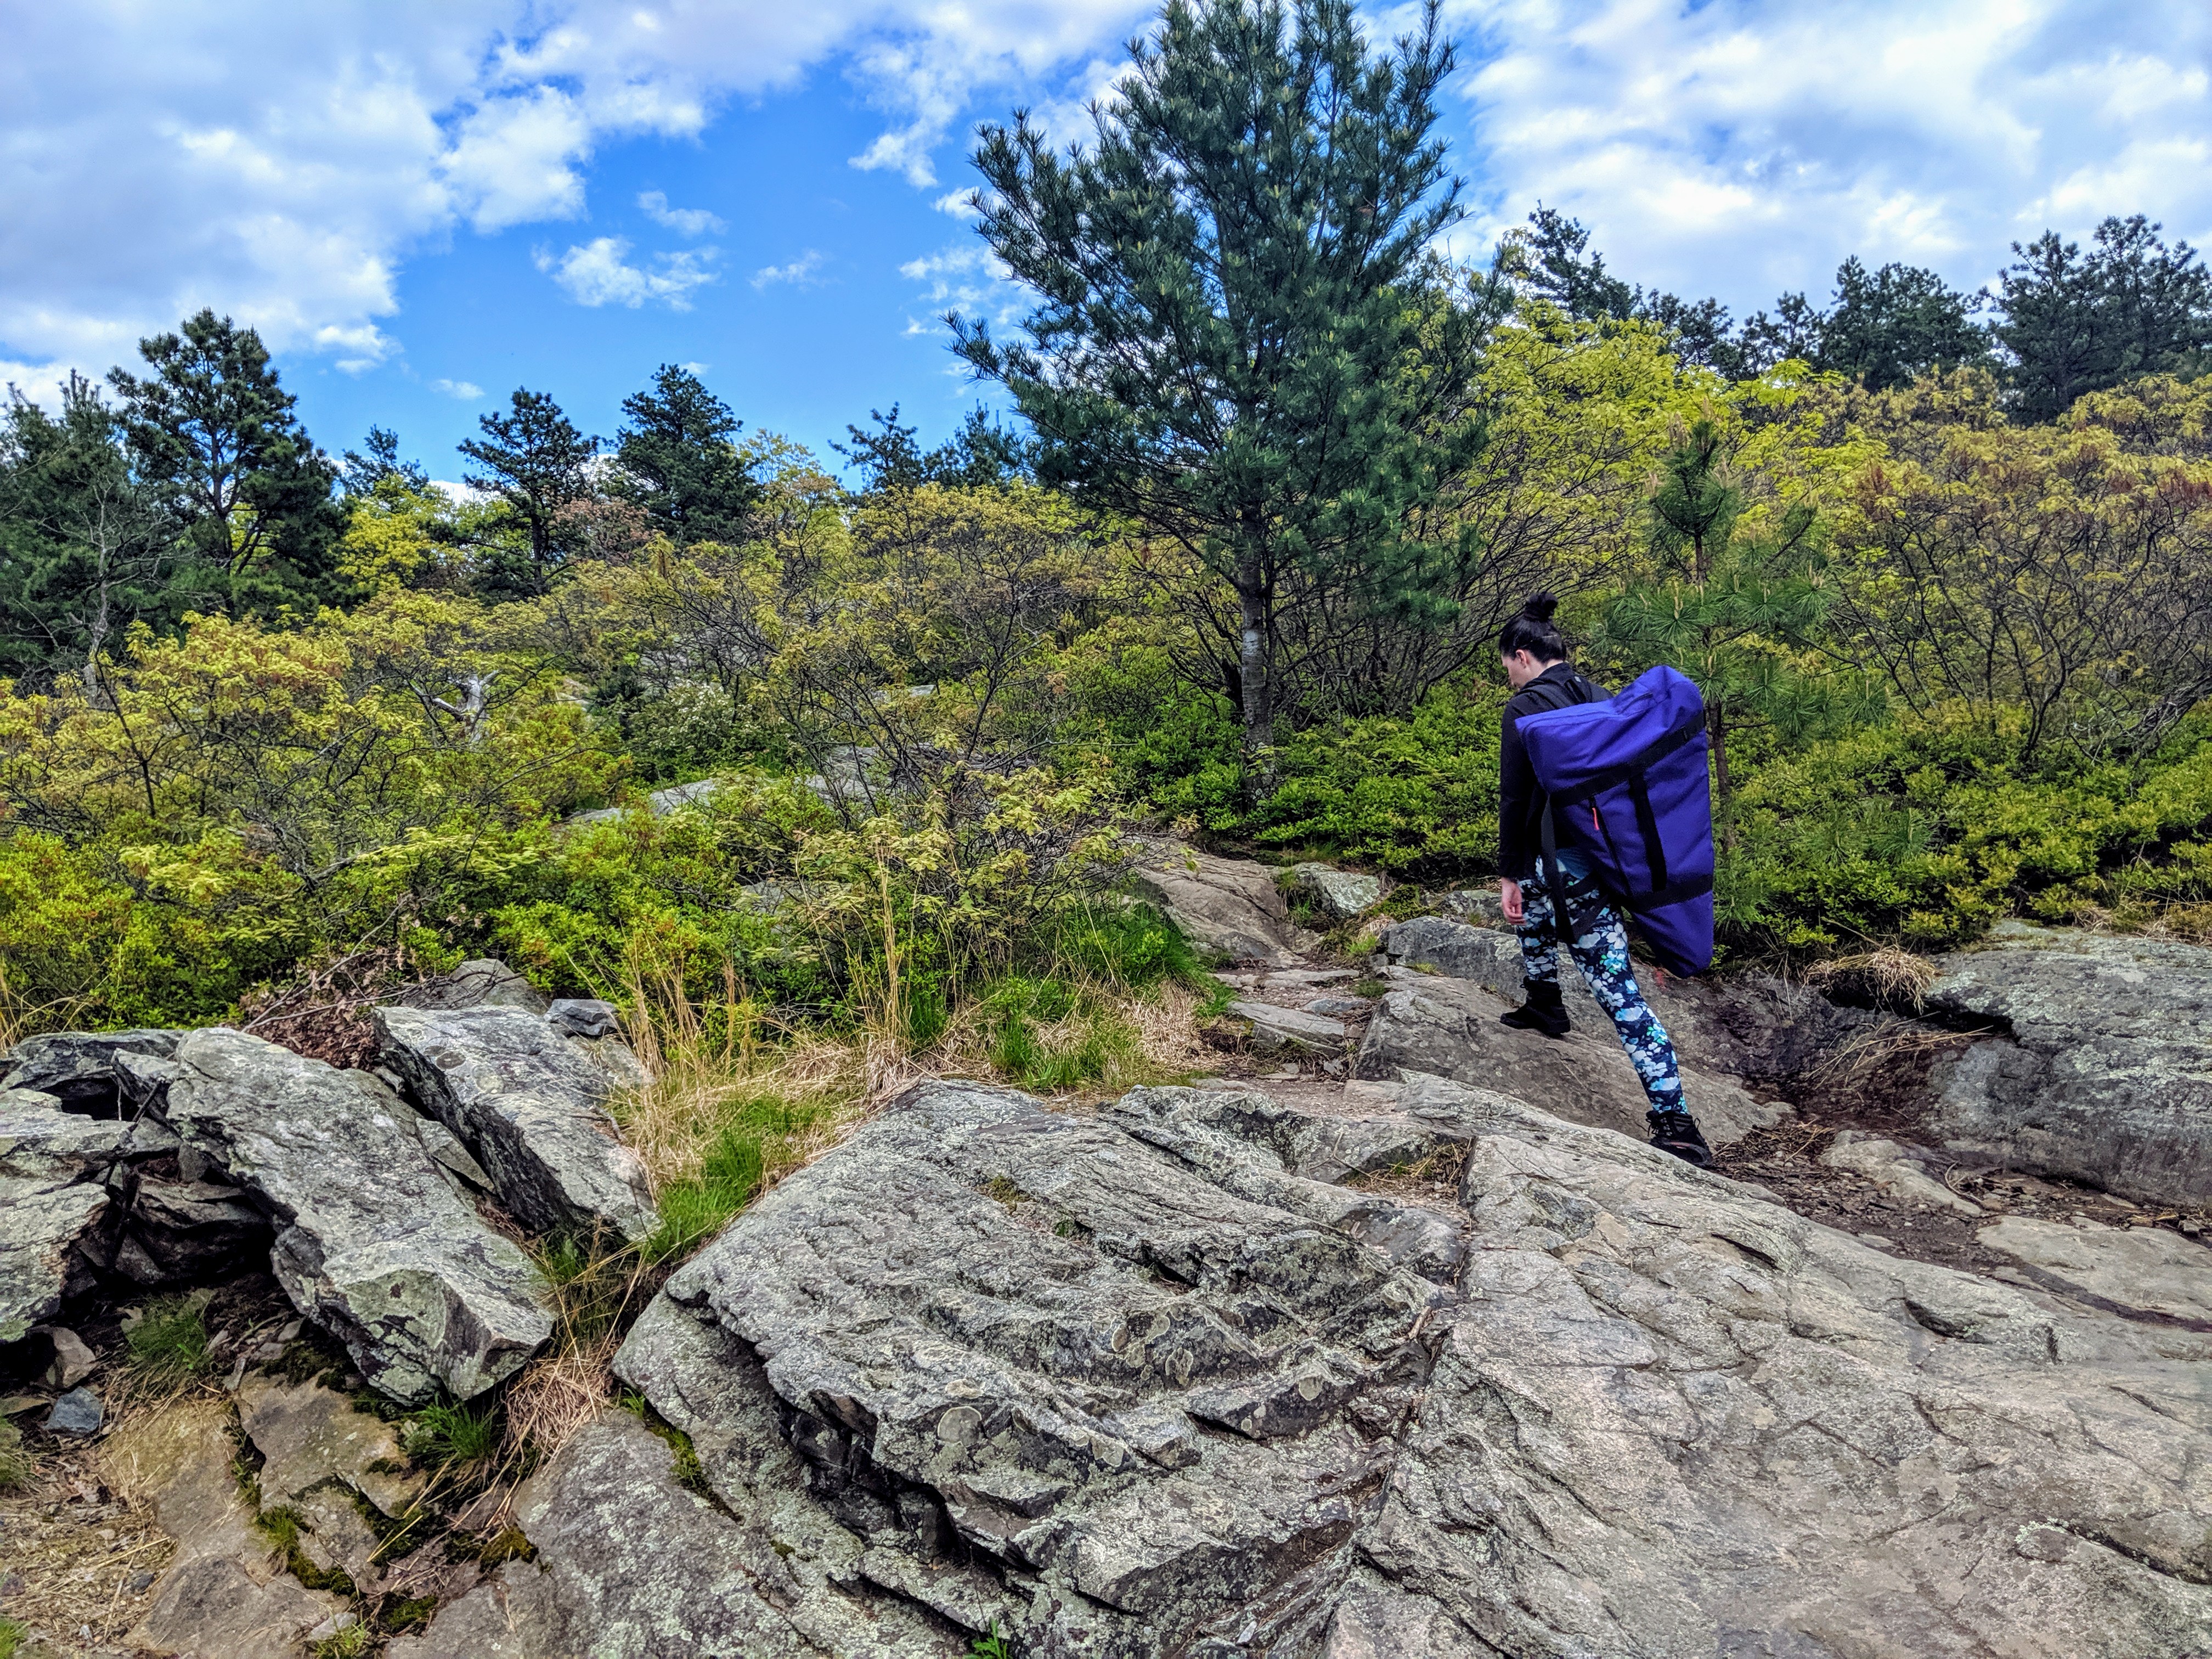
1626	779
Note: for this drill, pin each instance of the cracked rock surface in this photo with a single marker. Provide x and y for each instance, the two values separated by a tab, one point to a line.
1169	1379
371	1243
529	1100
2104	1073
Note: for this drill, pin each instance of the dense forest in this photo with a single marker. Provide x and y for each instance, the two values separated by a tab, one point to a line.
284	720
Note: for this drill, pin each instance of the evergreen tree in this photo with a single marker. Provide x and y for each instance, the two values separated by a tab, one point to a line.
680	463
213	432
2075	323
85	549
535	462
1240	338
380	467
1731	611
1890	327
983	454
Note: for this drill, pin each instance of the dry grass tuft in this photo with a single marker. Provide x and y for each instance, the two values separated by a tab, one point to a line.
1887	975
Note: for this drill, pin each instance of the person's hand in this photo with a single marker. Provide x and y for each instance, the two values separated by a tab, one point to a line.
1509	900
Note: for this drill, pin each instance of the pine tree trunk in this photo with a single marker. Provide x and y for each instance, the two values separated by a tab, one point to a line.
1257	684
1725	808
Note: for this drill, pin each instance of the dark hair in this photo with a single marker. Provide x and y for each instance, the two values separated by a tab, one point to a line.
1533	630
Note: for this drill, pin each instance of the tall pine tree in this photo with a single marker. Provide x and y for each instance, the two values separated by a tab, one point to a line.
535	462
1240	339
680	461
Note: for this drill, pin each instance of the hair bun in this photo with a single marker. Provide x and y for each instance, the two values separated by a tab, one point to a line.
1541	606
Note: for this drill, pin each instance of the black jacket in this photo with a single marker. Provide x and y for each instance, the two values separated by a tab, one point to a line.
1521	799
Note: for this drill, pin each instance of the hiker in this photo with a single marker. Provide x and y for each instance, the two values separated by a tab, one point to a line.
1535	655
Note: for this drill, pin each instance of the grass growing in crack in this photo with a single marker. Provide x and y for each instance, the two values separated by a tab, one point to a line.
990	1645
282	1527
454	1437
169	1343
355	1641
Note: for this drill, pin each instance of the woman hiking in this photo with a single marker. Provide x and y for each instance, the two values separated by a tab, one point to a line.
1535	655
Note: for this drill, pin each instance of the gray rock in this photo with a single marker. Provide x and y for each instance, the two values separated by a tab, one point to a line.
1275	1028
78	1067
480	983
373	1246
448	1154
222	1593
583	1016
1479	904
77	1412
1749	1025
1166	1401
661	803
1229	905
57	1213
2144	1269
1340	1008
1337	894
2104	1073
73	1361
530	1108
1886	1162
673	1576
181	1231
1449	1028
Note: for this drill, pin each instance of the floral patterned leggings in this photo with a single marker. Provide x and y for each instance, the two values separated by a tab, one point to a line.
1600	947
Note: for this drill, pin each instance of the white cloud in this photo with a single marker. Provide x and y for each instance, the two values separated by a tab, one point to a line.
597	274
1745	147
467	391
960	203
687	221
799	273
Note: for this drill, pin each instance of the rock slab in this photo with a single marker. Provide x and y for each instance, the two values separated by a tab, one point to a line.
1146	1384
1229	905
532	1108
2103	1069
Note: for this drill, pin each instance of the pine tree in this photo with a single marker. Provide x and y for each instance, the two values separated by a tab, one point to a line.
537	462
1240	339
2075	323
1731	611
212	431
679	460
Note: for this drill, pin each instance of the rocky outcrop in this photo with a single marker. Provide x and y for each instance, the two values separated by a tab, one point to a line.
54	1204
525	1098
2144	1269
479	983
1154	1381
1338	895
2102	1069
1747	1025
661	803
1272	1027
1449	1028
78	1068
372	1244
1228	905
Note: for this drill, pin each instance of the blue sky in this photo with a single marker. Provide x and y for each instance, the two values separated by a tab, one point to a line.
423	205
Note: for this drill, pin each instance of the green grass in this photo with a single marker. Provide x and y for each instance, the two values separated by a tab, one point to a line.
1034	1058
450	1436
281	1527
355	1641
990	1645
11	1638
169	1343
754	1129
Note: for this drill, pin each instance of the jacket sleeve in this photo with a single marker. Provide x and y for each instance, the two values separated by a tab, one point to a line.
1520	801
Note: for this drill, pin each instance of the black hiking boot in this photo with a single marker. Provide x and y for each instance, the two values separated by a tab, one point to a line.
1543	1011
1677	1132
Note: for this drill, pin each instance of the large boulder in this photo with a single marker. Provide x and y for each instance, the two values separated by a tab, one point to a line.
2102	1071
528	1101
1449	1028
1340	894
372	1244
1229	905
1146	1382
